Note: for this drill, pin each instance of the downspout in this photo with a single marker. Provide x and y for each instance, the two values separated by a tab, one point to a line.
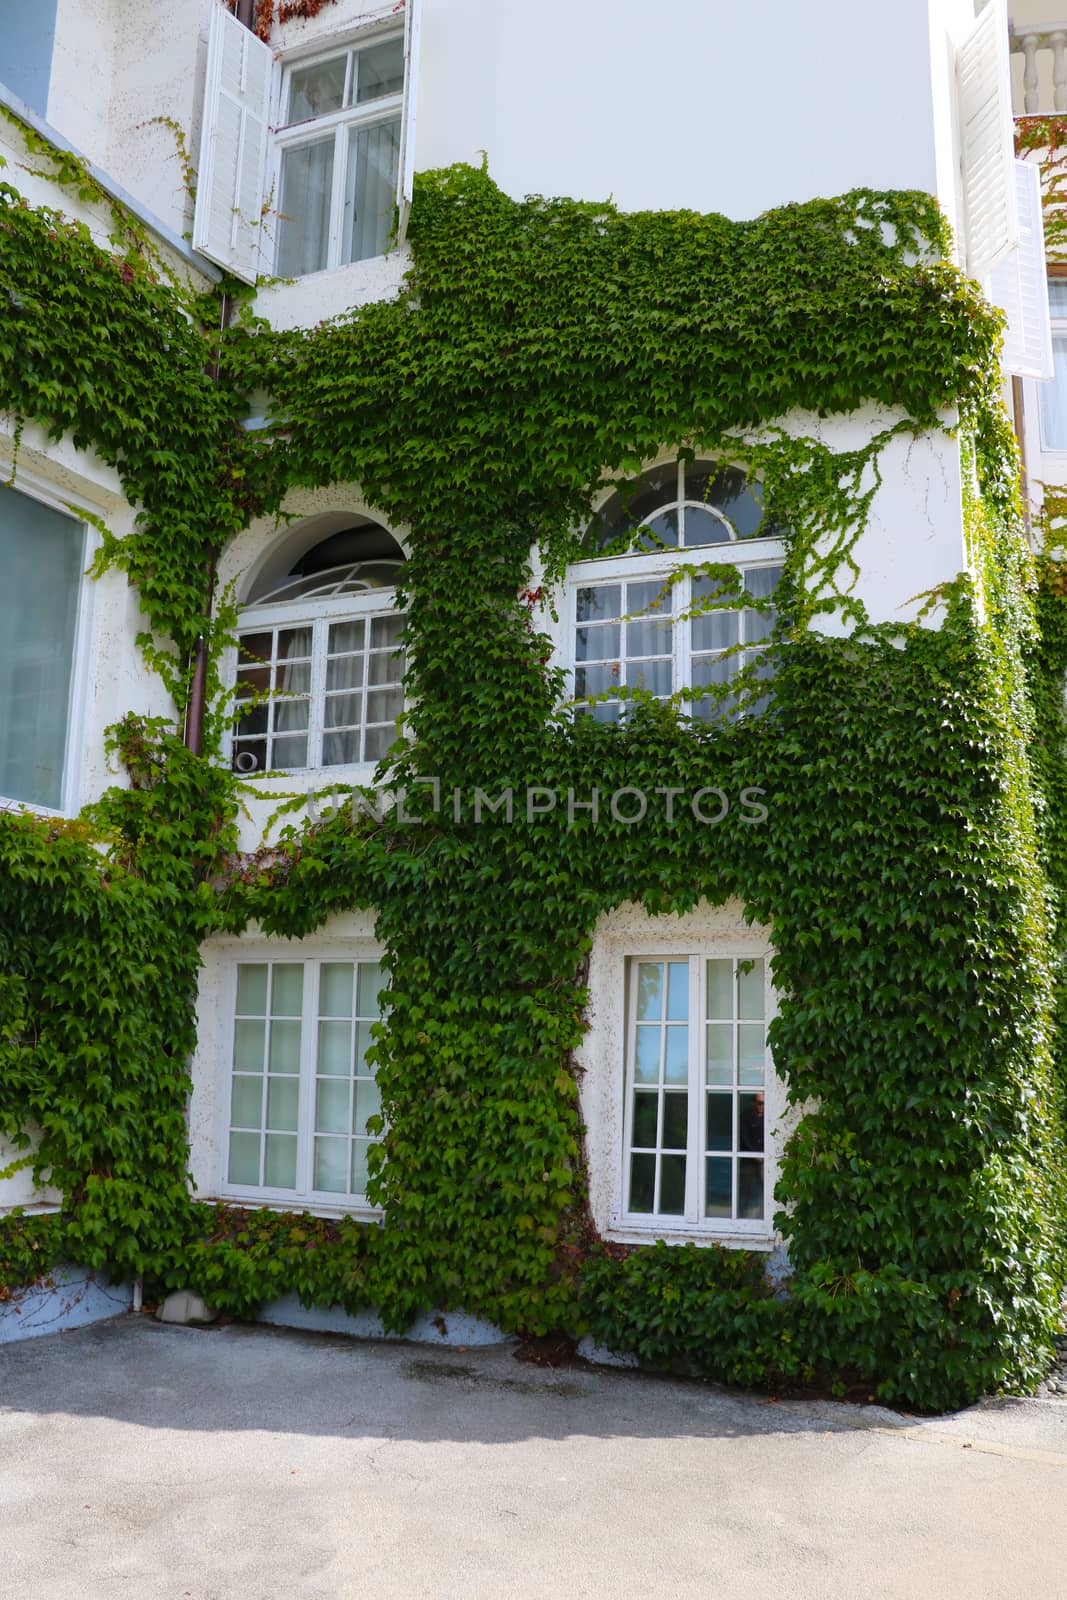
244	11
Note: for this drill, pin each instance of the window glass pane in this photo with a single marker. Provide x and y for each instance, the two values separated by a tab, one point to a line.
294	644
646	1066
676	1067
370	189
280	1165
762	581
340	749
345	672
246	1108
364	1040
759	625
43	554
649	991
376	741
653	676
720	990
750	1188
646	1109
360	1148
649	599
597	605
345	637
368	1104
648	638
750	989
589	681
344	710
661	533
252	990
750	1122
731	492
332	1105
331	1165
384	705
720	1068
285	1047
244	1159
642	1182
304	208
290	716
249	1039
720	1129
287	989
703	527
1054	397
675	1120
316	90
672	1186
385	666
335	989
1057	296
335	1048
372	981
751	1052
289	755
715	630
281	1103
677	991
718	1200
598	644
379	70
385	631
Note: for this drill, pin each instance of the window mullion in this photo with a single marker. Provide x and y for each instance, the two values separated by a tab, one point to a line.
305	1121
337	199
695	1160
682	643
320	632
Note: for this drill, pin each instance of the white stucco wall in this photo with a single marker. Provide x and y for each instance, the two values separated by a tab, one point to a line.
19	1189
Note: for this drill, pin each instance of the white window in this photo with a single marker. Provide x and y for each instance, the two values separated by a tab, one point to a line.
301	1087
44	558
320	666
338	156
1054	394
632	628
695	1148
326	183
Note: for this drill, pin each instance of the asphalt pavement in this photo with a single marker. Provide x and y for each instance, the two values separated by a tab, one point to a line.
254	1463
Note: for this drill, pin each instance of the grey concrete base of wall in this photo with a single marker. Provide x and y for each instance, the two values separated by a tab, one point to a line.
69	1297
444	1328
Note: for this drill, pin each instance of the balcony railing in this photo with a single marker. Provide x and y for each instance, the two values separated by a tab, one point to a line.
1043	49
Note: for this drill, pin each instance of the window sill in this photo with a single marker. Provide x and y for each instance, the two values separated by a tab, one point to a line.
729	1238
257	1201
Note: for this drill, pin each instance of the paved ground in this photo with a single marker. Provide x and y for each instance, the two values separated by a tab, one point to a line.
254	1464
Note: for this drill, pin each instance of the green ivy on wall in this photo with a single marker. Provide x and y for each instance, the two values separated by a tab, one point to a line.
908	865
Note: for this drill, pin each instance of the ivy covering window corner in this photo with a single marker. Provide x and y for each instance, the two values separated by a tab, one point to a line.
541	354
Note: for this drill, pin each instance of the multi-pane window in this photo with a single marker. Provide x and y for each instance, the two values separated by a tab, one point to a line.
663	638
635	627
338	156
302	1088
696	1080
320	690
43	552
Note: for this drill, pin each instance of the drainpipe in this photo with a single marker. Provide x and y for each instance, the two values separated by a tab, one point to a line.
245	12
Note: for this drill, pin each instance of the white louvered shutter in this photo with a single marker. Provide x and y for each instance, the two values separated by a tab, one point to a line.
987	140
233	148
1019	285
406	175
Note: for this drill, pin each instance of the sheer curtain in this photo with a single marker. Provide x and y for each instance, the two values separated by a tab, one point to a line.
370	189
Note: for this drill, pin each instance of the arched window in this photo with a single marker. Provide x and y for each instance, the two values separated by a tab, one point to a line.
320	667
631	630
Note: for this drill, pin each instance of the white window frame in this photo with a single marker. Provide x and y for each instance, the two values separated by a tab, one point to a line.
658	566
305	1197
290	136
76	744
642	1226
1058	329
318	615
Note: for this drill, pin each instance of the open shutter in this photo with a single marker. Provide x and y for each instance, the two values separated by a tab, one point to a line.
1019	285
987	140
233	148
406	175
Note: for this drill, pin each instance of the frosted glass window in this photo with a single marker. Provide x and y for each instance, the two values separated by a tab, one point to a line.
302	1082
42	552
